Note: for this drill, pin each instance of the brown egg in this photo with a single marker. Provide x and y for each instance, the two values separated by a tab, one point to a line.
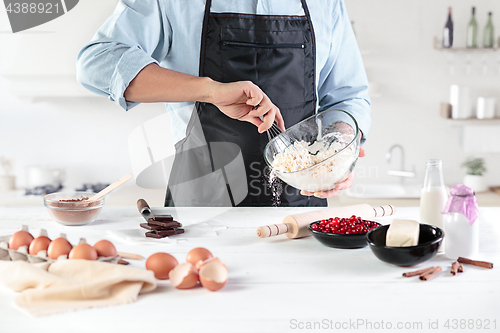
198	255
20	238
184	276
83	251
161	264
59	246
41	243
213	275
105	248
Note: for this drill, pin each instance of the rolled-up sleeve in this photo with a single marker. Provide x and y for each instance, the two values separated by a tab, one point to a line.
134	36
344	84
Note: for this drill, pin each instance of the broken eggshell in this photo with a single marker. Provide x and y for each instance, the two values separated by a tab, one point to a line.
184	276
213	274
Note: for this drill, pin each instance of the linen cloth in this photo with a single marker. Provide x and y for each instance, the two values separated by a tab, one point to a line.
69	285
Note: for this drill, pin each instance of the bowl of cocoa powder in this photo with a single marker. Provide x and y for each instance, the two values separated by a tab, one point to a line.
73	208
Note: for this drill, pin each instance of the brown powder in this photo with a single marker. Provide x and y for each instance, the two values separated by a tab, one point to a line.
75	200
75	211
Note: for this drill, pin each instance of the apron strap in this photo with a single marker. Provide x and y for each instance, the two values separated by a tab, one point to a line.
313	41
208	6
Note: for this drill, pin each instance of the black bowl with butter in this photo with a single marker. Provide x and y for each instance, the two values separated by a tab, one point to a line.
429	240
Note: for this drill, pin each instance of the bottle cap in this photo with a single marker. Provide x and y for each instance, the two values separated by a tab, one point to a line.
462	200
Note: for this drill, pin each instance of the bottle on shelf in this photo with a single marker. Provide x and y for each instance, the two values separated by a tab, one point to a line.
472	30
461	223
433	197
489	33
448	31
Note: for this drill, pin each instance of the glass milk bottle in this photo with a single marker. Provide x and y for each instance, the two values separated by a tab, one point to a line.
433	197
461	223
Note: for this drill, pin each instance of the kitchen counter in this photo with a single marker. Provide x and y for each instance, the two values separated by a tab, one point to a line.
275	284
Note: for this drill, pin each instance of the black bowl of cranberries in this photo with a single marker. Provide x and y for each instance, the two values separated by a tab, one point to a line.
342	233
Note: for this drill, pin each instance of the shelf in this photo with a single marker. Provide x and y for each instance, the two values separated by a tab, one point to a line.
474	121
437	46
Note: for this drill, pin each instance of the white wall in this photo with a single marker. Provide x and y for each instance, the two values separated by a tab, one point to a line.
88	135
412	78
85	136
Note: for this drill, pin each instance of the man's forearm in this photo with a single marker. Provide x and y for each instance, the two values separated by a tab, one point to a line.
157	84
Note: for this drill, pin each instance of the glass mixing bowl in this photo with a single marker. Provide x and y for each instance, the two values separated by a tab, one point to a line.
71	208
317	153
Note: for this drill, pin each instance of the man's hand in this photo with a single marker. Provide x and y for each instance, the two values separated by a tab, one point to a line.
341	186
244	101
240	100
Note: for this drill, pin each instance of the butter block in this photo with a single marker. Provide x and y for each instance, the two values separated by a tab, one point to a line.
403	233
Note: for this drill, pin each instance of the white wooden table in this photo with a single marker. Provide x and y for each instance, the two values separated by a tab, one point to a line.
275	284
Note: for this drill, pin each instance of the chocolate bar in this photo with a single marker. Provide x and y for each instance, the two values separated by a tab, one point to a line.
179	231
153	234
163	233
166	232
163	218
171	224
169	232
152	227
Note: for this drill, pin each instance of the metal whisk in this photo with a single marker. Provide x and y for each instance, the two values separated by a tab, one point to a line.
283	140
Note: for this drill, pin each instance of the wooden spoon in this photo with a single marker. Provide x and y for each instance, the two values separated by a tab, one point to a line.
110	188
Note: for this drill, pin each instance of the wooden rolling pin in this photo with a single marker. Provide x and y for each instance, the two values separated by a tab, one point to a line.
295	226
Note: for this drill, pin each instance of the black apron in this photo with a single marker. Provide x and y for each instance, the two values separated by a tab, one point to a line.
277	53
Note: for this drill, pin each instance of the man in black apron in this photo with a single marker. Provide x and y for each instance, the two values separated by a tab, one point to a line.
247	62
277	53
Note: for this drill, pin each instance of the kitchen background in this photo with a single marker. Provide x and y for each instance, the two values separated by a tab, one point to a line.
48	120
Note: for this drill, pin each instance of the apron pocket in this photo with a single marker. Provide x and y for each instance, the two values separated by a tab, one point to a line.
276	64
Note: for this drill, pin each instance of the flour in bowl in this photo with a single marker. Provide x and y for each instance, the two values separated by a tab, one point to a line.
316	166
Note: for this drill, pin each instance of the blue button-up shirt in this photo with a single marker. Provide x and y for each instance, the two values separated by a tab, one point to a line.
168	32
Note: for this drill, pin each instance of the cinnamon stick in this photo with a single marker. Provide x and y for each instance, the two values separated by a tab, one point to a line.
454	268
484	264
461	268
419	272
430	274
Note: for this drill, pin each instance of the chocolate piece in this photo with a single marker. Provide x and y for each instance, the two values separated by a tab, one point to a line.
163	218
122	262
172	224
153	234
169	232
152	227
166	232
